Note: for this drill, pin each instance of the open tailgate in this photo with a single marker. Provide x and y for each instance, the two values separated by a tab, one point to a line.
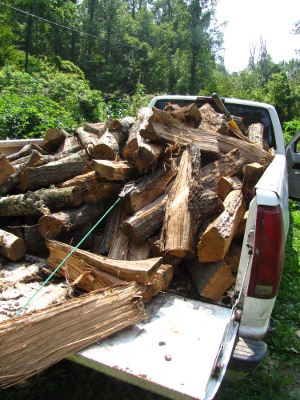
180	352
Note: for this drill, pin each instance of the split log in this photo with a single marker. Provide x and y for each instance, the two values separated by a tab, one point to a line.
69	145
159	282
147	154
249	151
163	127
75	324
6	169
146	221
228	165
180	226
97	128
240	230
53	139
139	271
120	128
107	147
55	224
138	251
34	241
252	174
216	239
87	140
93	187
11	246
211	279
112	226
54	172
15	179
233	255
226	184
256	134
131	146
40	202
189	114
212	121
147	188
114	170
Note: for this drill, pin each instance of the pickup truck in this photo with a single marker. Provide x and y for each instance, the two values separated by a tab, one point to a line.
187	345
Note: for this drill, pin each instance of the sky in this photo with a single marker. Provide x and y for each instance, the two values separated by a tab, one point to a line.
250	20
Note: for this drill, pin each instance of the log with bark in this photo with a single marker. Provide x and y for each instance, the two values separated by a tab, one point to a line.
6	169
53	139
114	170
11	246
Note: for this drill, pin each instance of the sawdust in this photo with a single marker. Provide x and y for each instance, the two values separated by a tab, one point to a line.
20	280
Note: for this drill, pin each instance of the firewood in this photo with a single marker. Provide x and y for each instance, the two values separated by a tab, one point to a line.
55	224
112	226
147	154
93	187
15	179
50	158
11	246
159	282
75	324
147	188
216	239
256	134
139	271
212	121
75	236
114	170
252	173
228	165
249	151
40	202
233	255
226	184
211	279
134	133
97	128
146	221
54	172
6	169
26	151
53	139
70	144
33	240
188	114
164	128
138	251
180	216
87	140
240	230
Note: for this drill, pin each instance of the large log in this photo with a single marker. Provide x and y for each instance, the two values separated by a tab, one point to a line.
252	173
147	154
147	188
54	172
212	121
146	221
114	170
40	202
55	224
163	127
11	246
34	342
256	134
216	239
26	151
6	169
139	271
180	226
87	140
189	114
93	187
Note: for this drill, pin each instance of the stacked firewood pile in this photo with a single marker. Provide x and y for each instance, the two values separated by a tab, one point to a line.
188	178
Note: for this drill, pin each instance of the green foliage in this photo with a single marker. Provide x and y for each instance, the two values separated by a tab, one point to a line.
290	129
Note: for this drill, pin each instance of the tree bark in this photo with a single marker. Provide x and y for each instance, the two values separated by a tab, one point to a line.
40	202
256	134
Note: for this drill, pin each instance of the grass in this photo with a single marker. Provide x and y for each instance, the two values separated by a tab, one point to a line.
277	378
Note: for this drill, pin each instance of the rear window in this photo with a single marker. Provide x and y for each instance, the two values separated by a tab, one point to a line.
250	115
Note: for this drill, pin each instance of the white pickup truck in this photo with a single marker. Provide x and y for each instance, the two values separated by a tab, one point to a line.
185	347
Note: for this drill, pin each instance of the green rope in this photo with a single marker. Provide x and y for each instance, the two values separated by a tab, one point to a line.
69	255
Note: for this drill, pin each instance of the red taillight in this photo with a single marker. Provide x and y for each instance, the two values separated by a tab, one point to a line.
268	253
